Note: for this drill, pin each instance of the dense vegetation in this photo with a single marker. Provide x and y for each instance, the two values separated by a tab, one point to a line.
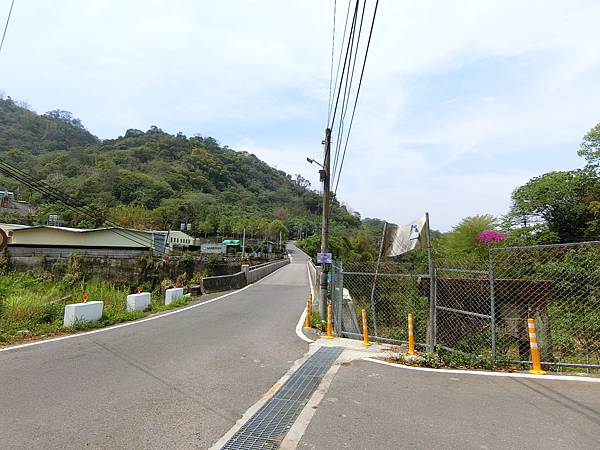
32	304
153	179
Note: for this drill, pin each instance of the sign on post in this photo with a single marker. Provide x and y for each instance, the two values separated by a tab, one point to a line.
212	248
324	258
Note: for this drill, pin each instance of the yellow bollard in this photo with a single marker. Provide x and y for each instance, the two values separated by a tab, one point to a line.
411	335
329	319
535	351
307	320
365	325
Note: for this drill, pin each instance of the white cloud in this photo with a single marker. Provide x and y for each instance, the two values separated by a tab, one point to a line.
255	75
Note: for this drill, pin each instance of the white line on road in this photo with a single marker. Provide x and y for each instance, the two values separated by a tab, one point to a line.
488	374
135	322
299	326
300	323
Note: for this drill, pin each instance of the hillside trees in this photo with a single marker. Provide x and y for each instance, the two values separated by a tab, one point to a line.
564	204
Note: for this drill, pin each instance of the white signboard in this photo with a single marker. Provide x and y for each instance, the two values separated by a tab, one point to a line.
212	248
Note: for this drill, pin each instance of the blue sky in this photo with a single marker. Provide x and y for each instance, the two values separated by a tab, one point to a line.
462	101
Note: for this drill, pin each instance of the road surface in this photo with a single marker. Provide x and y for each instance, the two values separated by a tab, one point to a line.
371	406
181	381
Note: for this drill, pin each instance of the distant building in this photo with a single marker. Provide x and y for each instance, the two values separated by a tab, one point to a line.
178	239
99	238
9	202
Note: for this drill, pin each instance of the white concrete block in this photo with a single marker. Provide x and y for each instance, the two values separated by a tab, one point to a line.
138	302
173	294
77	313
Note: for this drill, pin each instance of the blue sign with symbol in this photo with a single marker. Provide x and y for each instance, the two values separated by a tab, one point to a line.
324	258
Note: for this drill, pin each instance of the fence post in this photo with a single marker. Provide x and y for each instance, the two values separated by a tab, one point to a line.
432	334
338	296
492	277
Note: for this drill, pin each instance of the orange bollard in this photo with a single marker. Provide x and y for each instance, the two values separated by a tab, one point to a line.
365	326
535	351
329	324
411	335
307	320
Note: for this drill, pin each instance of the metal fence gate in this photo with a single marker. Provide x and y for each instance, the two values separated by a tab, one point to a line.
464	319
480	304
388	293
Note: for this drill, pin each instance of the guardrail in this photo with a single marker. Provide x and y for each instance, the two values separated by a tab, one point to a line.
238	280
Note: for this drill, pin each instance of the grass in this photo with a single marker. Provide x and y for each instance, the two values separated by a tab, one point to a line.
442	358
32	305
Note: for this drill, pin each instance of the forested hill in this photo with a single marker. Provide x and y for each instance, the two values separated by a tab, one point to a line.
55	130
153	179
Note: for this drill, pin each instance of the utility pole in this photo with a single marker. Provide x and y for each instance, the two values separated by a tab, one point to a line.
324	172
244	244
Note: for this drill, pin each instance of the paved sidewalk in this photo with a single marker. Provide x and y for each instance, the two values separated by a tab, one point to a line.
373	406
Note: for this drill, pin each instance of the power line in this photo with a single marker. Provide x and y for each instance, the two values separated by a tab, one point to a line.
357	94
344	68
332	54
347	92
56	195
6	26
337	72
127	234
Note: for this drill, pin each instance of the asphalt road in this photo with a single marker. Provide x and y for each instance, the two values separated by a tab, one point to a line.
372	406
181	381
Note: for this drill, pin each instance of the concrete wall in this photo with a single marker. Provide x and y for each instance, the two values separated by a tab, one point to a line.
258	272
241	279
223	282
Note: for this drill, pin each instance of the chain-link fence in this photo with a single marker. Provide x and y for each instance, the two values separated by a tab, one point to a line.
388	293
558	286
480	305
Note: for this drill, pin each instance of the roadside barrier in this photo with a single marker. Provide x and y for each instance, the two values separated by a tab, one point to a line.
535	351
365	327
329	322
411	335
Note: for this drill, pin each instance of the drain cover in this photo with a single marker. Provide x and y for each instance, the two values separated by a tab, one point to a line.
269	425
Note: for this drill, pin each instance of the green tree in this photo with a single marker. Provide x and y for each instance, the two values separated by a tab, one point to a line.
557	199
590	148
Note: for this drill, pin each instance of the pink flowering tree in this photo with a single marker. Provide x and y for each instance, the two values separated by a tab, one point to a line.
490	237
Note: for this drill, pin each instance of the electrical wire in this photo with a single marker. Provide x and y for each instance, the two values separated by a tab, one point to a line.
56	195
347	92
127	234
332	55
120	231
337	72
6	26
357	94
344	68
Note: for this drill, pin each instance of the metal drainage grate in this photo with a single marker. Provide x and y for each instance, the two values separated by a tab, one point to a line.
269	425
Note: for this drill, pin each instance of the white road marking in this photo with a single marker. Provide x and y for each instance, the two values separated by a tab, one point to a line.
135	322
299	327
265	398
488	374
298	428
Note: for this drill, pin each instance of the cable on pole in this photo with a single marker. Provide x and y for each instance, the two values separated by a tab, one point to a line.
332	54
337	72
344	68
6	25
357	94
348	90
